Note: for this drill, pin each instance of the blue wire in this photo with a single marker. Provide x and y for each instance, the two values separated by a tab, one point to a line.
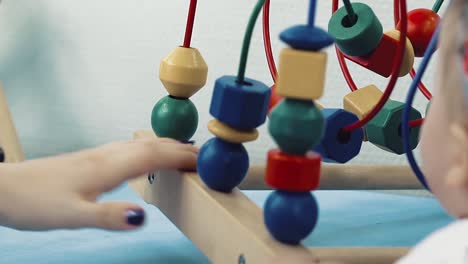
409	101
312	8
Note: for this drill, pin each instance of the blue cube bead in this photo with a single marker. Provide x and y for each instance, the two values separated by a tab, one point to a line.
241	106
305	37
222	165
290	216
337	145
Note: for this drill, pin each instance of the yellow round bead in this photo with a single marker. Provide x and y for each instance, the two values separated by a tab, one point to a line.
183	72
230	134
408	59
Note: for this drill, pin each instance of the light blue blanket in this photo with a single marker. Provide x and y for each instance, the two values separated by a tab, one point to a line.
348	218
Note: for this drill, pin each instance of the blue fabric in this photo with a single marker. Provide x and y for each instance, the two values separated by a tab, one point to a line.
347	218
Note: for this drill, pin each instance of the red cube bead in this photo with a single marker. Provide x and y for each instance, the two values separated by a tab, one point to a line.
293	173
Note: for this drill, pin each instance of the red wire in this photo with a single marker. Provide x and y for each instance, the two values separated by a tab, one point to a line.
395	70
421	86
416	123
341	60
190	23
267	41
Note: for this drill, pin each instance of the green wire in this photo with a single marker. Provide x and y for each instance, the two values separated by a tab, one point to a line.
437	5
352	17
247	38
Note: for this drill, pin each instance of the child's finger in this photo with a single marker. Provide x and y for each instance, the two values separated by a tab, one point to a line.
112	215
116	164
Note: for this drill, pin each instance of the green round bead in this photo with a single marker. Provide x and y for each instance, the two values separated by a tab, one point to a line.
296	126
359	39
174	118
384	130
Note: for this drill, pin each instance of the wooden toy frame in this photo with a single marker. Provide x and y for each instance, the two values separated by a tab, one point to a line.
207	217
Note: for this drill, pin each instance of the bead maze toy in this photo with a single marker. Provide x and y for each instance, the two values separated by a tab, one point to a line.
307	134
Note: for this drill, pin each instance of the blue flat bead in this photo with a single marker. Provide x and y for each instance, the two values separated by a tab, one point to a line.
305	37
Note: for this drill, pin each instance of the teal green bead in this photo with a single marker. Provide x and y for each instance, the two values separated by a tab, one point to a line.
174	118
359	39
384	130
296	126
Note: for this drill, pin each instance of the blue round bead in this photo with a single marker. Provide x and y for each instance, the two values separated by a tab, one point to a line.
241	106
222	165
290	216
305	37
337	145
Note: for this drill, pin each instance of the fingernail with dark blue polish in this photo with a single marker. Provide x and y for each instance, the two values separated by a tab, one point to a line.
135	217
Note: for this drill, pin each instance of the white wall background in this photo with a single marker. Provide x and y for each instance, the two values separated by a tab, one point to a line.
83	73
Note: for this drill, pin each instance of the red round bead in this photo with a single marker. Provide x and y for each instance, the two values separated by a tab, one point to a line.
275	98
293	173
422	24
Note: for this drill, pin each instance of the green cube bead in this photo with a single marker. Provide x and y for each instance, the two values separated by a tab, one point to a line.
384	130
174	118
296	126
359	39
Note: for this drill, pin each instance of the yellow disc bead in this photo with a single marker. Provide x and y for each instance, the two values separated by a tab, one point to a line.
362	101
230	134
183	72
301	74
408	59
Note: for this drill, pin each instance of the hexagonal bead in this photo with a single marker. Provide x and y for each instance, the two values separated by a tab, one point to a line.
337	145
293	173
230	134
362	101
296	126
240	106
183	72
305	37
384	130
174	118
408	59
360	38
301	74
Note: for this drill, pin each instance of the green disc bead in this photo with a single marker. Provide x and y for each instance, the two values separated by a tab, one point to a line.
359	39
384	130
174	118
296	126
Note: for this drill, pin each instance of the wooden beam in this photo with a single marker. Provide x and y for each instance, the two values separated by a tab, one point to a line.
8	138
348	177
227	228
361	255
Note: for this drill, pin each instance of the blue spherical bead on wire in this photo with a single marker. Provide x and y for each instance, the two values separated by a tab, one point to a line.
337	145
222	165
290	216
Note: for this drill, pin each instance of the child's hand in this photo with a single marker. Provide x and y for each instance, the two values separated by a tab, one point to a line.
61	192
